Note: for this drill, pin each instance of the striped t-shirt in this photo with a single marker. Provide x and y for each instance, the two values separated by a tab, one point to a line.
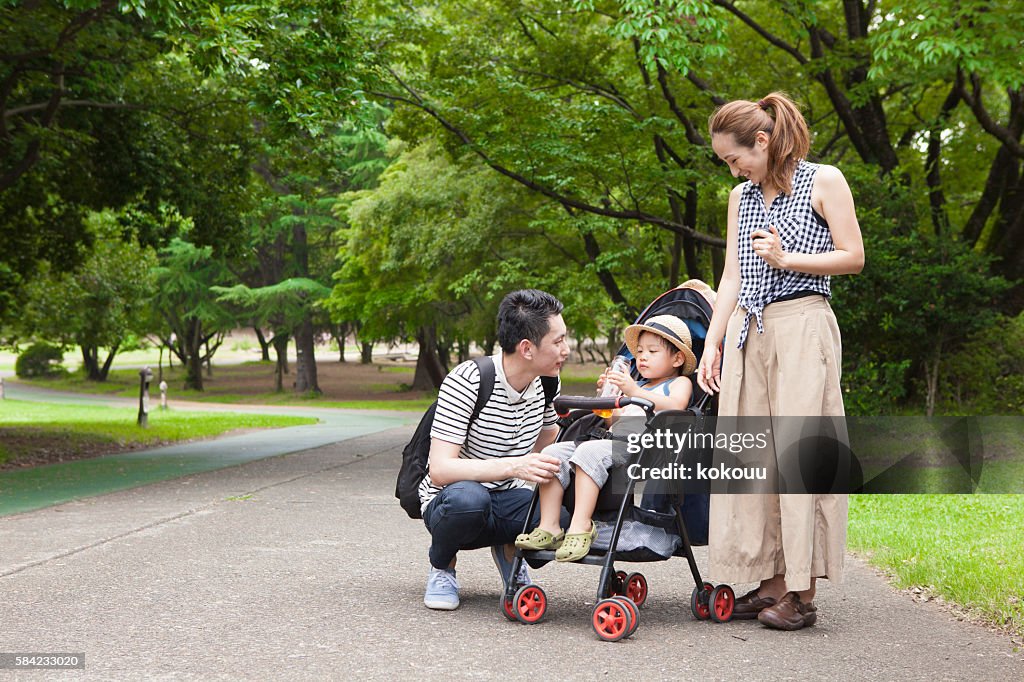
508	424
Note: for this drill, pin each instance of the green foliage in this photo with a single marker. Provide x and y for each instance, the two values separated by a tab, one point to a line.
918	297
149	105
40	360
442	242
976	36
297	61
986	376
872	388
288	301
679	34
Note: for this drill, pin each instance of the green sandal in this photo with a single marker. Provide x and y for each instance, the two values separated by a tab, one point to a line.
538	539
577	545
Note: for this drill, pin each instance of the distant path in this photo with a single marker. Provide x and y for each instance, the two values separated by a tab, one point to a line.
28	489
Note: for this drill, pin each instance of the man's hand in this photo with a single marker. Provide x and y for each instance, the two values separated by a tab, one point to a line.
535	467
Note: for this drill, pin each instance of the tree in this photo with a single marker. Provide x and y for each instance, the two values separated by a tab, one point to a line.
99	305
430	253
599	108
110	103
285	305
195	323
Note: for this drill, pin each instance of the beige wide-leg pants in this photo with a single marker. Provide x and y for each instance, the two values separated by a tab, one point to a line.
792	369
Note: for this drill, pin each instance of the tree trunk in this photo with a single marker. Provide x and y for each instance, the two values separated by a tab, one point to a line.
366	352
191	346
264	345
91	363
305	362
280	343
340	332
194	373
931	379
105	370
429	369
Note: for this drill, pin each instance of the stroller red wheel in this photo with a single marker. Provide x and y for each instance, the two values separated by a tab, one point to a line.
721	603
633	611
611	620
507	608
699	601
530	604
636	588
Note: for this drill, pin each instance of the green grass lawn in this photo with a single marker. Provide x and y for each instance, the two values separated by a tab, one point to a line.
966	549
91	428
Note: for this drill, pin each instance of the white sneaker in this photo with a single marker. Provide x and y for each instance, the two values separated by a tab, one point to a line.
442	590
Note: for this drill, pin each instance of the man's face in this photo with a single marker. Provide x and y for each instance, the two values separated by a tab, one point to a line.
553	350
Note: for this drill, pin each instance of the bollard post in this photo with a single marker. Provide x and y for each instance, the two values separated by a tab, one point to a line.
145	376
163	395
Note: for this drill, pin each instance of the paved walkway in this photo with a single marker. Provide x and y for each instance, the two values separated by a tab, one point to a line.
304	567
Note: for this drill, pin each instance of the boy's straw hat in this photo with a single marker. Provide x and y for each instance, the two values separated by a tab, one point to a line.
700	287
668	327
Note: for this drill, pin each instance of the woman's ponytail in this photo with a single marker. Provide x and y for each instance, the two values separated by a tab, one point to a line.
788	141
776	114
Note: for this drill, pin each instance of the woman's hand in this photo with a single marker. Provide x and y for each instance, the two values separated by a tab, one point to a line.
709	371
768	245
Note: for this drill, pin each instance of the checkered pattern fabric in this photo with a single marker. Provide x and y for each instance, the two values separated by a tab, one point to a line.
800	231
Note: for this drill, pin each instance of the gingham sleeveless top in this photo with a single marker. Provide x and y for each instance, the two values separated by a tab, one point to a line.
801	232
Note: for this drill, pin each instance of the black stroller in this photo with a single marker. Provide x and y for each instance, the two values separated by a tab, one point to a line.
665	513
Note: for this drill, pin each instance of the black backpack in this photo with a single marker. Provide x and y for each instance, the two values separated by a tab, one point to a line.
417	451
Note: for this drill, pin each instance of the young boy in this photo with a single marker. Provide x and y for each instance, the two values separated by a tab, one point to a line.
664	356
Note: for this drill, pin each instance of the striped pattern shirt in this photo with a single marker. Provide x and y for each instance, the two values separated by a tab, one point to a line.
801	231
508	425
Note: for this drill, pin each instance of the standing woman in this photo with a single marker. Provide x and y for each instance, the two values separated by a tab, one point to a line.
791	226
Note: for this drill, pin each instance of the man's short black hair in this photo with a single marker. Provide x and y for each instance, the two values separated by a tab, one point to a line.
524	314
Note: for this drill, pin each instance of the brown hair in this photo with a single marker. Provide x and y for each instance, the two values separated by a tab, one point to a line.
788	138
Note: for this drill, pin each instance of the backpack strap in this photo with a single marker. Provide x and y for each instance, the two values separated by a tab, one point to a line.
486	367
550	385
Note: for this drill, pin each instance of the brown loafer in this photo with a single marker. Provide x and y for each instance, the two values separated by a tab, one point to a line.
789	614
749	605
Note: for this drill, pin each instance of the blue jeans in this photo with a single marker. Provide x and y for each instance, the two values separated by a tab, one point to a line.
466	515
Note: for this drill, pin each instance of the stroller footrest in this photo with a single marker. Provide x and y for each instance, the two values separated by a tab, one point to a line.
593	559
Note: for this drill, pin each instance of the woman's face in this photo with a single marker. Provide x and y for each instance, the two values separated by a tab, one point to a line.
744	162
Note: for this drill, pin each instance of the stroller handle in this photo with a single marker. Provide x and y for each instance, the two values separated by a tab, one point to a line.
564	403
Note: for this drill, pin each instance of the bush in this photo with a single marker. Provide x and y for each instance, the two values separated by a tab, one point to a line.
987	376
874	388
40	360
